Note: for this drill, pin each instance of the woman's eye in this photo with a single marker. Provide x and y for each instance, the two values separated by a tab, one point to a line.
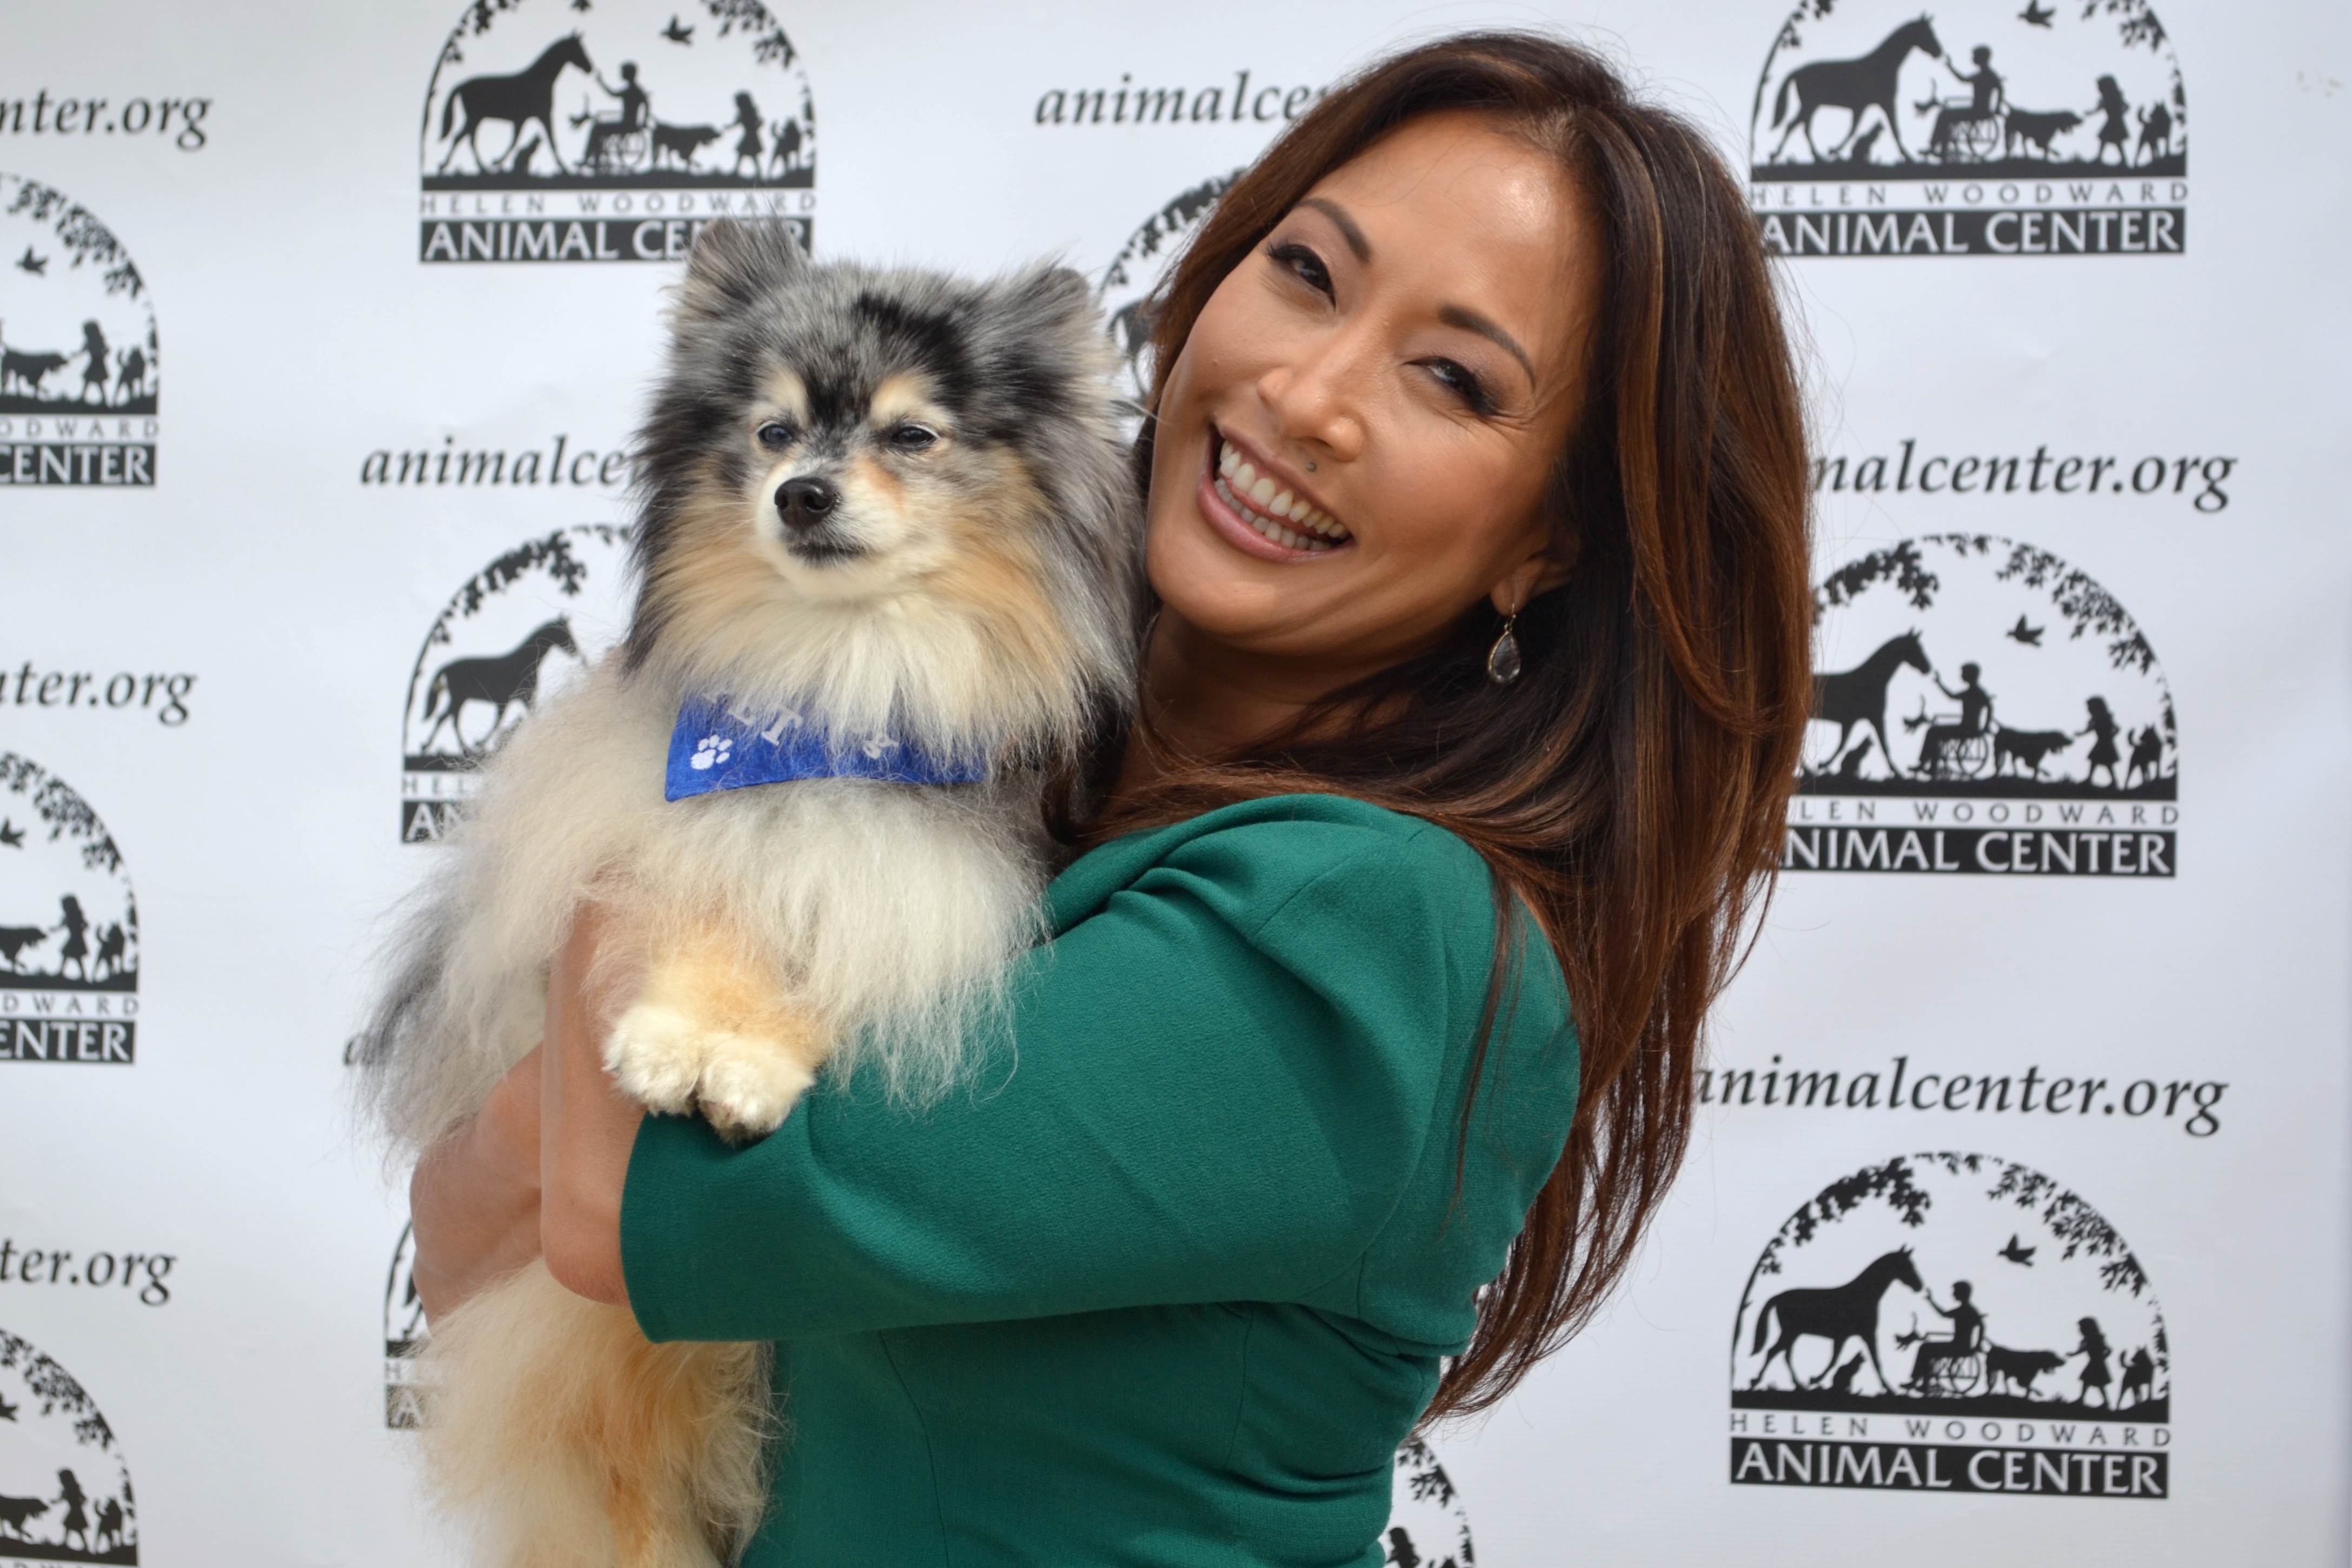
1463	383
1304	265
911	438
775	435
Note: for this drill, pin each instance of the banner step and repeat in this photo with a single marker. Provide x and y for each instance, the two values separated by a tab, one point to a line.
2016	1228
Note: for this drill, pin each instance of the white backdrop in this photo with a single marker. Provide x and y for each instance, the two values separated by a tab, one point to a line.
2112	1102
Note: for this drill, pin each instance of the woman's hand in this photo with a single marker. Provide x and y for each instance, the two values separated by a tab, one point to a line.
587	1126
473	1200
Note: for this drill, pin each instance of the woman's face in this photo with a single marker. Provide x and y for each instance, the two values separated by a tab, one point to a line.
1354	441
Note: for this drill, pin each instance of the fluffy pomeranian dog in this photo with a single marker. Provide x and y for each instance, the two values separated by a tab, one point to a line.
887	556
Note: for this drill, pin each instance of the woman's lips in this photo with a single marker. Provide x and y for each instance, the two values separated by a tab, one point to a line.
1238	530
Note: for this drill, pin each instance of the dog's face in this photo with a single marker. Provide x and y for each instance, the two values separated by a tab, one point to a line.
844	453
867	481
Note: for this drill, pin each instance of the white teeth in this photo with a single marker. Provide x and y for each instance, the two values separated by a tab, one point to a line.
1267	508
1268	527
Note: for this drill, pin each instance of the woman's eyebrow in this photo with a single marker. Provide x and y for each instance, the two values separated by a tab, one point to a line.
1471	320
1340	220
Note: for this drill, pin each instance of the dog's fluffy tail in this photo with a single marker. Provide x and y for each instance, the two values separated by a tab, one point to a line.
557	1434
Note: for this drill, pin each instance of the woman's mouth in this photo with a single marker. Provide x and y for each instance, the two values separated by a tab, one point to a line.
1257	513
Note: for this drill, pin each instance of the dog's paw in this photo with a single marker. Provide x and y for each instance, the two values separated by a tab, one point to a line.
749	1086
656	1054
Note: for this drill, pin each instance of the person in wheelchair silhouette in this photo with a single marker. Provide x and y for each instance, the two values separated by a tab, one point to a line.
612	137
1929	1362
1970	124
1975	723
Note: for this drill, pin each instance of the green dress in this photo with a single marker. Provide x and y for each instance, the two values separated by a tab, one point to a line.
1170	1287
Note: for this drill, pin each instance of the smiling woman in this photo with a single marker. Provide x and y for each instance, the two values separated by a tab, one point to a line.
1473	670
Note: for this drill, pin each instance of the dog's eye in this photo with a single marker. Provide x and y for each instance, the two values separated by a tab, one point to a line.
910	438
775	435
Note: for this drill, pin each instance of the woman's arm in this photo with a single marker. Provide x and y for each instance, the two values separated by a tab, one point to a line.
473	1200
589	1126
540	1168
1218	1084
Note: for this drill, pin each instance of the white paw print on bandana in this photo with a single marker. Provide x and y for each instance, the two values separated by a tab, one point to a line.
713	751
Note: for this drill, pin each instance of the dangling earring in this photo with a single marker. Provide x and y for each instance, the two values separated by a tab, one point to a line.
1503	659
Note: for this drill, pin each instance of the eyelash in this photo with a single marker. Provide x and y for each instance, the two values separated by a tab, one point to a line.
1464	383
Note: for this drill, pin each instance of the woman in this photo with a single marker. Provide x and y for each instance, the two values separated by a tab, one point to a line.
1300	1146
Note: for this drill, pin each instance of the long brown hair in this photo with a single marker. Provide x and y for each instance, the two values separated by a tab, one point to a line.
1629	786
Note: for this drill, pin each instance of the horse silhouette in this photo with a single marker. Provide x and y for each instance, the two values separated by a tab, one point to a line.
526	96
1858	696
503	681
1843	1313
1855	86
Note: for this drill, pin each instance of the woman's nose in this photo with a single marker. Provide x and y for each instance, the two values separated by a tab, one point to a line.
1314	397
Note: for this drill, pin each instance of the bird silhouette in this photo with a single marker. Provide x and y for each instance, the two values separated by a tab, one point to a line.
38	266
676	34
7	1411
2030	636
11	836
579	5
2036	15
2022	1255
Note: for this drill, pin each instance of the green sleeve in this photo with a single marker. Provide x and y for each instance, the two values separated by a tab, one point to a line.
1217	1087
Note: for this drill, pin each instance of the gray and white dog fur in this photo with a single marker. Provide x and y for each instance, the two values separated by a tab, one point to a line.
969	587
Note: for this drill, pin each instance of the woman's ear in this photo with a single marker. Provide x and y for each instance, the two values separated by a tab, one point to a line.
1540	573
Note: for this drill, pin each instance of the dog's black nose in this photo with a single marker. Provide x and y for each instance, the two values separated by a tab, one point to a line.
805	503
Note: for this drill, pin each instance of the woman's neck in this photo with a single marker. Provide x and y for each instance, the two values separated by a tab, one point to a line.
1203	697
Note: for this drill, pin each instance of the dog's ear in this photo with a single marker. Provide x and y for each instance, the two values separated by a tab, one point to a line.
1052	295
734	264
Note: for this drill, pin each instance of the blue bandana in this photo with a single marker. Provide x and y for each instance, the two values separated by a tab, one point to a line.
715	748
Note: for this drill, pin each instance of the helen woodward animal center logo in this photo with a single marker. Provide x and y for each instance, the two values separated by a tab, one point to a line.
1125	292
65	1494
68	928
1951	1322
2060	128
536	615
563	130
1982	707
404	1333
78	357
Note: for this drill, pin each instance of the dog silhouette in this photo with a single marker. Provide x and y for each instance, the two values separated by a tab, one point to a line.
2028	749
16	1512
682	142
2019	1368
